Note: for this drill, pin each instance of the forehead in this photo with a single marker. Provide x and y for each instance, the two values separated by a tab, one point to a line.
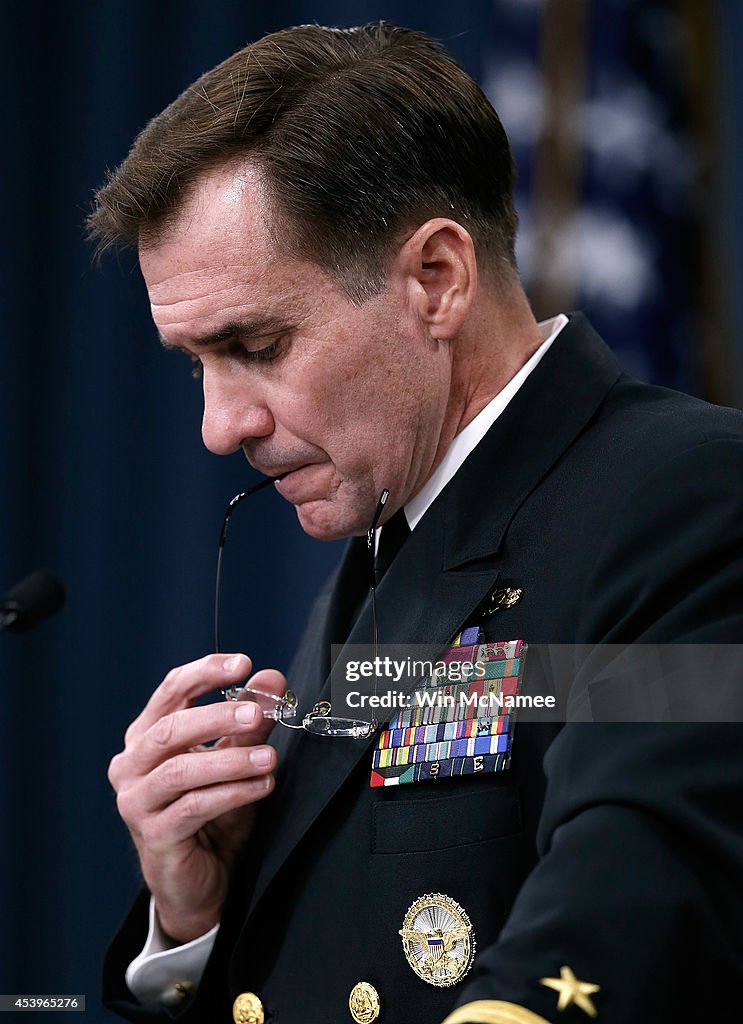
223	217
217	258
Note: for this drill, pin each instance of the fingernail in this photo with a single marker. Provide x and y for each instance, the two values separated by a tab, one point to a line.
231	664
261	757
246	713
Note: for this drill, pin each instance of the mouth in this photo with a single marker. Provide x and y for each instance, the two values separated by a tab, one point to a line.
276	474
296	484
285	474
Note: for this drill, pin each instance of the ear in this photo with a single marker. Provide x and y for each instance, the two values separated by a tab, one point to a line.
440	270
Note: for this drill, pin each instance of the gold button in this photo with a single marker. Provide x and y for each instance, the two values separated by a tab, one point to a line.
248	1009
364	1003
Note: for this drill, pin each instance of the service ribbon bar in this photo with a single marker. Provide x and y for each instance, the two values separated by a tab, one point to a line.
460	720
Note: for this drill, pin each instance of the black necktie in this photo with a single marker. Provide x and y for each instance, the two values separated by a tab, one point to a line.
394	534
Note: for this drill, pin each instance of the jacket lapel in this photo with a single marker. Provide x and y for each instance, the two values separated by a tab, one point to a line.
445	570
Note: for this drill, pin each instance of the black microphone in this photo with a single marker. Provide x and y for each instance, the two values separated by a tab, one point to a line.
31	601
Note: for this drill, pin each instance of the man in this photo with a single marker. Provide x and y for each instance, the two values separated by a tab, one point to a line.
326	230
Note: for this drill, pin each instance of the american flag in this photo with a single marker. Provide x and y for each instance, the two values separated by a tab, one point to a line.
593	96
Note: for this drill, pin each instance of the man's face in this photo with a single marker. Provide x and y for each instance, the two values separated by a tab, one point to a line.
344	400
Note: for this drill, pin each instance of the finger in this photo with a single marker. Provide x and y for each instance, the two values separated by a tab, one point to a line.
198	807
267	680
270	680
181	730
208	768
182	685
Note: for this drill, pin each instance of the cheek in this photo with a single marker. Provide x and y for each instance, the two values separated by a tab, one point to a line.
360	396
341	402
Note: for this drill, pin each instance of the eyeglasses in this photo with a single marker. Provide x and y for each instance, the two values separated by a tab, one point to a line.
319	721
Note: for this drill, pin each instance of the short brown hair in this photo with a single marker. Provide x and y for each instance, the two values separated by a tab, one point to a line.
360	134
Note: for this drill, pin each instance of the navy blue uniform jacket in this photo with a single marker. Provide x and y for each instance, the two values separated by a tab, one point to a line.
614	849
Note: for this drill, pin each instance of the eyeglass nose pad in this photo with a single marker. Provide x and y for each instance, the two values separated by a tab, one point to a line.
288	705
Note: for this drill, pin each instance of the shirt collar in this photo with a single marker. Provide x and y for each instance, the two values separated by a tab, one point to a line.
468	439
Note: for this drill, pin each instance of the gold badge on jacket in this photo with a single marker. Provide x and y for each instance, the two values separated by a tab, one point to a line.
438	940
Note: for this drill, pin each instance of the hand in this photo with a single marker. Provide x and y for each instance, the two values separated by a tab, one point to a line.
190	808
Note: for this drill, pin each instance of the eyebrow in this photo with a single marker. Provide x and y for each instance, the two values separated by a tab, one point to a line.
253	327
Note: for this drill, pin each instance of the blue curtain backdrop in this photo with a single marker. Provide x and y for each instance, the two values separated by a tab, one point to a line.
102	471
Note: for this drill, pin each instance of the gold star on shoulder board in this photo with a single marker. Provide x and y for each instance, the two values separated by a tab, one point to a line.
572	991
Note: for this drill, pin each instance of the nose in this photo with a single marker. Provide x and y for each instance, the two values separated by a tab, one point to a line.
234	411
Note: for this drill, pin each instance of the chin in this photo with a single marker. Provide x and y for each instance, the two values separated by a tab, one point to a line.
323	521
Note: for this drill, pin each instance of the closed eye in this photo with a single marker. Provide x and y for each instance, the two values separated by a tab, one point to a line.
258	355
246	355
235	349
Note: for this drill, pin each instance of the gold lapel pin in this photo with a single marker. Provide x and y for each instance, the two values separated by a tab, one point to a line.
503	597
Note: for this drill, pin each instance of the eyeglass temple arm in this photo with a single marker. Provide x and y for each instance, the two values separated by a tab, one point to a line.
372	567
236	501
380	508
222	538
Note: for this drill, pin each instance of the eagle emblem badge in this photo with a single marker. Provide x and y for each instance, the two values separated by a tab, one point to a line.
438	940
